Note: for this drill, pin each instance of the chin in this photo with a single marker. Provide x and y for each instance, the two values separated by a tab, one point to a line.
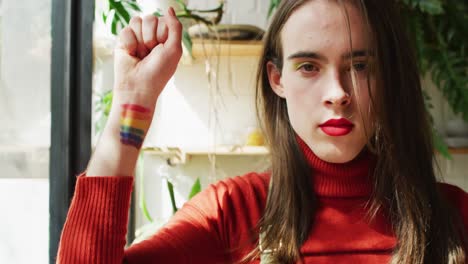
336	154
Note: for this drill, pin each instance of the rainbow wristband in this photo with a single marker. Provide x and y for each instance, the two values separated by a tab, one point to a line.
134	122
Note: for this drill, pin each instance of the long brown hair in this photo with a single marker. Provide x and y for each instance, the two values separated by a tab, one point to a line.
427	228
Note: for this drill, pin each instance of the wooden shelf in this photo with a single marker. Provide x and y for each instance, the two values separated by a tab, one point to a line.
200	49
177	155
219	150
239	150
458	150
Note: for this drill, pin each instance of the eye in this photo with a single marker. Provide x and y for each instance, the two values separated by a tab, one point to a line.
360	66
307	67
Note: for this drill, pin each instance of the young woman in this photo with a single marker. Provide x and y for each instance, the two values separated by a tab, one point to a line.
351	179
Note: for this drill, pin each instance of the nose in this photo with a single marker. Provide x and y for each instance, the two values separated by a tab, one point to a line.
336	94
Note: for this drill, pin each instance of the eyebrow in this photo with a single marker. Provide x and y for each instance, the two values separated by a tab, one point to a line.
358	53
307	54
318	56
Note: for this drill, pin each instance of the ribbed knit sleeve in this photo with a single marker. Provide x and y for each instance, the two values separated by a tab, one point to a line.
213	227
96	225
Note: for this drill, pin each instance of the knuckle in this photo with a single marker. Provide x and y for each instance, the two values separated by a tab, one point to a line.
149	18
135	20
125	33
126	38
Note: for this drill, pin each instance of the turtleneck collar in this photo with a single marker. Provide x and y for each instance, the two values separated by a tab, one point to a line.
350	179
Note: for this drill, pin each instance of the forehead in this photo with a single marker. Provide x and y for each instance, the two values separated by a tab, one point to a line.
321	26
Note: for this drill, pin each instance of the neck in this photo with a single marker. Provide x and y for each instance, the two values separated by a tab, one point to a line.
350	179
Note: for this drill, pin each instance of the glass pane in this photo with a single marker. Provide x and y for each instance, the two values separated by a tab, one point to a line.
25	40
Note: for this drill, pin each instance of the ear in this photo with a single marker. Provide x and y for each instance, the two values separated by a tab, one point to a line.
274	77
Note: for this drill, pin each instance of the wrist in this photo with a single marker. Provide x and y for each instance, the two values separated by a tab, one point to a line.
140	96
131	120
120	143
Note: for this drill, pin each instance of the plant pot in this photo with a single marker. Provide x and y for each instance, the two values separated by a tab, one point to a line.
457	133
457	127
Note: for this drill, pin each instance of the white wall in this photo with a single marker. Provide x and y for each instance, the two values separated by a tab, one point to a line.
453	171
183	119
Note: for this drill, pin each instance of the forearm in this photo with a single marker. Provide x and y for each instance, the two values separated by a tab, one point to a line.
113	156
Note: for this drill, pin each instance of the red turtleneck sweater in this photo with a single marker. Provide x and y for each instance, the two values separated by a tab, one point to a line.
214	226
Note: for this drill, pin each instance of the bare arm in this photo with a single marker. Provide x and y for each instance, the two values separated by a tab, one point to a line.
146	57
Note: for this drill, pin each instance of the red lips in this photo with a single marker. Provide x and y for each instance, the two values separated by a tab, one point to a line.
337	127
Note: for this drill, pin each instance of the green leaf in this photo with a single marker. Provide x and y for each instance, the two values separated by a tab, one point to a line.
181	4
104	17
115	21
133	5
187	41
170	188
432	7
107	102
122	12
407	2
196	188
440	145
100	123
273	5
103	105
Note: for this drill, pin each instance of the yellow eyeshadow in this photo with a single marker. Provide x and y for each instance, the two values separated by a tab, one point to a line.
297	65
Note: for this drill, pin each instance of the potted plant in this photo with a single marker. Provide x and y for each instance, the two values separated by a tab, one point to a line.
119	12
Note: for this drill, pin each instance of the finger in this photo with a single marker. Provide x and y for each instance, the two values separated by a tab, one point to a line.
175	30
135	25
162	30
149	27
127	41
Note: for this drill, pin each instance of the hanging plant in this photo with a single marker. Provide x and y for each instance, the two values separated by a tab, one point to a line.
119	13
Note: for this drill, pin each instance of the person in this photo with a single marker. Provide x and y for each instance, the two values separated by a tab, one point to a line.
352	176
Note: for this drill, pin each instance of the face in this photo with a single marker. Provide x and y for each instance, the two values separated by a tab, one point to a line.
323	107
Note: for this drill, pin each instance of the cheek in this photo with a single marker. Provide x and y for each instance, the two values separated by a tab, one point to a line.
303	104
302	91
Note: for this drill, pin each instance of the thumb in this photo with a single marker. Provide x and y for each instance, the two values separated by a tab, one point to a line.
174	39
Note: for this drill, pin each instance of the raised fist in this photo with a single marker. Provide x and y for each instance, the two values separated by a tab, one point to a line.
147	55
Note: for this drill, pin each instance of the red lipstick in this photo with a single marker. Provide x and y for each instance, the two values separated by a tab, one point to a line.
337	127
